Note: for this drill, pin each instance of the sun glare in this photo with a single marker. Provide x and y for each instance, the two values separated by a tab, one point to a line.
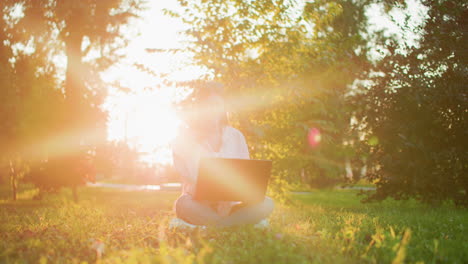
146	121
144	117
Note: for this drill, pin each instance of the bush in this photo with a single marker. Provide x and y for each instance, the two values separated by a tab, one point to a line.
55	173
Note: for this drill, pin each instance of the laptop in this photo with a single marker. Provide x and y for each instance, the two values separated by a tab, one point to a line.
221	179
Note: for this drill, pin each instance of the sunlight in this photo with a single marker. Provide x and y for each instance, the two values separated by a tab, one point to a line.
143	116
145	120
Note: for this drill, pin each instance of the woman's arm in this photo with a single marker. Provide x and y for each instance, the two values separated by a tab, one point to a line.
242	148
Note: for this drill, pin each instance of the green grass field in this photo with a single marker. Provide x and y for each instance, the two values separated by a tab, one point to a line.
321	227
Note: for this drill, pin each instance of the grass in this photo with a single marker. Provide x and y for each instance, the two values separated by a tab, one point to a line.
321	227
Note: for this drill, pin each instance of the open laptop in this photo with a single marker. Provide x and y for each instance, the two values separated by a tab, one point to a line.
221	179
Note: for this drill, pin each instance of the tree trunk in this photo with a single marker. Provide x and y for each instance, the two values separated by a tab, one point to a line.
13	181
75	193
74	92
73	80
74	87
14	188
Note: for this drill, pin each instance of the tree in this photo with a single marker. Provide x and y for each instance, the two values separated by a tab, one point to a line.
97	24
26	81
414	114
287	68
48	175
6	110
44	118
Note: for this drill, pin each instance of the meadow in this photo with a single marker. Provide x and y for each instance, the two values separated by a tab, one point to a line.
324	226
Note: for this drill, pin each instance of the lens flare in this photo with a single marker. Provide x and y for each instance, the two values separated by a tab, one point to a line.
314	137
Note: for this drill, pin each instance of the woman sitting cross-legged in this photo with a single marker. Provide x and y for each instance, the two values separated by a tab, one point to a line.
211	136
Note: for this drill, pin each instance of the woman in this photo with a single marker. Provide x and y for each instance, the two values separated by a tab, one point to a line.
211	136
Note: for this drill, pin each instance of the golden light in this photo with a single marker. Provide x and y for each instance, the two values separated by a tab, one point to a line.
145	120
144	116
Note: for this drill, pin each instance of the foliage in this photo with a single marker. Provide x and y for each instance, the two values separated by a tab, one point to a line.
279	190
47	116
116	159
414	113
323	227
32	106
287	68
120	162
48	175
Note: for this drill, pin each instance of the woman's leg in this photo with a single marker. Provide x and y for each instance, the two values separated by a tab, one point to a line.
249	214
194	212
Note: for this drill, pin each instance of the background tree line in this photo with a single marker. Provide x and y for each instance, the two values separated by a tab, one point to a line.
51	124
291	66
288	67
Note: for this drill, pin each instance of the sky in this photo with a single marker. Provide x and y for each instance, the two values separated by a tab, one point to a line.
145	117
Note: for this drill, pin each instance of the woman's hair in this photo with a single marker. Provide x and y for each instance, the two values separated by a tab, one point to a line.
205	90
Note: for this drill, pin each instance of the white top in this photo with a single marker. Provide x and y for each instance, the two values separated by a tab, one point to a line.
187	154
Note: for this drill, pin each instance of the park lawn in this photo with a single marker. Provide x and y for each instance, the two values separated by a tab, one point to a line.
321	227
